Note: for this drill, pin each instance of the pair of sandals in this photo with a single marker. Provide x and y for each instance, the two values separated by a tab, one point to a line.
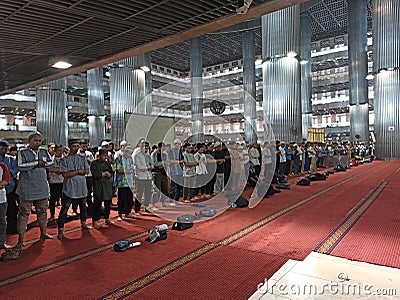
11	254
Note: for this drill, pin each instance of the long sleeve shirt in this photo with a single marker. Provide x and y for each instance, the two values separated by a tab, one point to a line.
142	162
102	186
11	163
33	183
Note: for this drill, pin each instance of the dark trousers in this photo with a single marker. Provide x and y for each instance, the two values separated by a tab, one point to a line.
66	203
160	187
175	189
97	209
143	189
125	200
55	195
12	212
209	189
89	201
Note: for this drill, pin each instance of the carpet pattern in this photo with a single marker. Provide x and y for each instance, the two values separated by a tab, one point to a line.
225	257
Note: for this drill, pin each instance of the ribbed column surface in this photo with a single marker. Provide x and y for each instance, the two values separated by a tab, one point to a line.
358	70
51	112
149	85
306	79
359	129
127	89
196	80
96	106
386	47
249	86
281	74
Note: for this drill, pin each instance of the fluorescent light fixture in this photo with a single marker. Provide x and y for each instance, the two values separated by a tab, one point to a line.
62	65
145	68
304	62
291	54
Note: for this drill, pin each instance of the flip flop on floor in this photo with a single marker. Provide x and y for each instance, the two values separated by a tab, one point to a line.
10	254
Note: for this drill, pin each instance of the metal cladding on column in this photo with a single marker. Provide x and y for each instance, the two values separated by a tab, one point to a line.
51	112
386	49
358	69
149	84
281	74
306	78
127	90
196	80
249	86
96	110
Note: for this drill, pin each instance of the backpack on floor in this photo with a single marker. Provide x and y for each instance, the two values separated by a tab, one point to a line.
158	233
125	245
183	222
304	182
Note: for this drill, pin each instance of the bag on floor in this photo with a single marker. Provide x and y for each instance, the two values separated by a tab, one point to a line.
207	212
158	233
240	202
340	168
183	222
304	182
283	186
330	172
125	245
317	176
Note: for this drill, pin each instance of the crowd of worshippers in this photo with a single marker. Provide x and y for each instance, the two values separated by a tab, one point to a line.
36	179
296	158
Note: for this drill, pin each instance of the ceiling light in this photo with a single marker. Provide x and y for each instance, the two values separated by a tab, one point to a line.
258	61
145	68
69	107
369	77
107	73
62	65
304	62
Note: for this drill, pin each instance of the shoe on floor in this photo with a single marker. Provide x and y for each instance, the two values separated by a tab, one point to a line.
137	213
85	226
109	222
13	253
172	204
96	225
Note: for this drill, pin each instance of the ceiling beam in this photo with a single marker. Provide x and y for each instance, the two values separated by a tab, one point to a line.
254	12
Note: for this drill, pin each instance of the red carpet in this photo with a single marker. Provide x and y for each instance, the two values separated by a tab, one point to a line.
375	238
224	258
